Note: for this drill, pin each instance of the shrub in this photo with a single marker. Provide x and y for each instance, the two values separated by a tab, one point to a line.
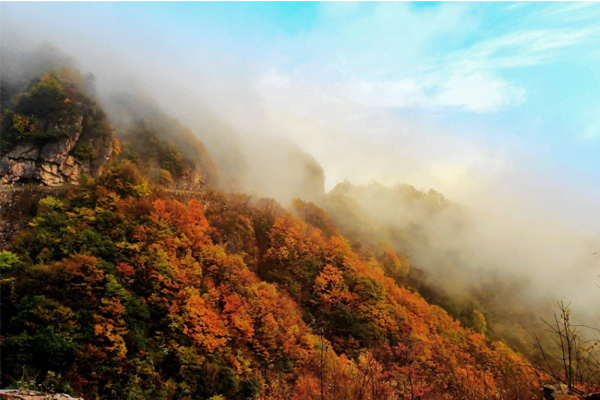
84	151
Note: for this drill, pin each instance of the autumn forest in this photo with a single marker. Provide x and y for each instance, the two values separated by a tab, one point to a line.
136	264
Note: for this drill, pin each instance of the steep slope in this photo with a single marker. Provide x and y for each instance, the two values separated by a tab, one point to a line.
263	165
120	290
437	235
53	132
168	152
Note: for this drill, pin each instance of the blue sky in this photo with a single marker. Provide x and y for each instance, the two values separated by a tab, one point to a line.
477	100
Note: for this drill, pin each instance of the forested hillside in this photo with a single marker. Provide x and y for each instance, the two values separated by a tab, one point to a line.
424	227
123	287
121	290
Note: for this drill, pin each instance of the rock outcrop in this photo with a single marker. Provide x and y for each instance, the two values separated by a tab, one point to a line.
54	163
553	392
560	391
33	395
192	180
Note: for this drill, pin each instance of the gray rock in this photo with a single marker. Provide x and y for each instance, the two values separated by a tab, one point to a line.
53	164
57	152
28	168
4	166
18	394
28	151
48	178
552	392
20	169
103	150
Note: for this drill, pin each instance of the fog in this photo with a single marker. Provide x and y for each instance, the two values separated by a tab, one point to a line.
463	251
281	128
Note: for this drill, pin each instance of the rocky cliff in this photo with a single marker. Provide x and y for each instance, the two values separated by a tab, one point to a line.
54	163
52	134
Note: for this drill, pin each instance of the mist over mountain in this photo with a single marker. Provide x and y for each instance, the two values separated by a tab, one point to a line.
232	222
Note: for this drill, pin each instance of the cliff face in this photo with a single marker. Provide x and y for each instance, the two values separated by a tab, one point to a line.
52	134
192	180
54	163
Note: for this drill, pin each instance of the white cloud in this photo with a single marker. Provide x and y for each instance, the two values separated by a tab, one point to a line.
571	12
385	55
523	48
470	79
479	92
402	93
352	139
514	6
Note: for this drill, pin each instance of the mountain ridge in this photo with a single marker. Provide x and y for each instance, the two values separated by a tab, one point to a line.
121	286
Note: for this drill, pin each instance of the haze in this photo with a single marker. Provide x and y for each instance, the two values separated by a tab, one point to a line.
495	105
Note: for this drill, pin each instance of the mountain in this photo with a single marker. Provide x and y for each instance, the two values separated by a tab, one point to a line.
54	132
151	279
120	289
437	236
166	150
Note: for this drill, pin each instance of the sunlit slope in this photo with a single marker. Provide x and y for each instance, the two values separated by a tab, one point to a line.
121	291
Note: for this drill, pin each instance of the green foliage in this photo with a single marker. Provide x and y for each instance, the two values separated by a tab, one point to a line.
126	292
38	114
8	260
49	110
27	381
98	123
44	98
479	324
125	180
148	142
84	151
142	383
84	180
141	189
55	383
371	289
395	266
171	159
50	203
165	177
142	146
41	351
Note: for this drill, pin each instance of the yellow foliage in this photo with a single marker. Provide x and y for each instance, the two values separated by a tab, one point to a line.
23	124
116	145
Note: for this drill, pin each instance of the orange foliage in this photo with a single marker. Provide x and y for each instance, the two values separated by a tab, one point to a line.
224	285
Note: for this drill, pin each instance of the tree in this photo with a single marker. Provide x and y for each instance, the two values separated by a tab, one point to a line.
571	359
479	324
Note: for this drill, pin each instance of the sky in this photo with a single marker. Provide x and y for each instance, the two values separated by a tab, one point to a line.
496	105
